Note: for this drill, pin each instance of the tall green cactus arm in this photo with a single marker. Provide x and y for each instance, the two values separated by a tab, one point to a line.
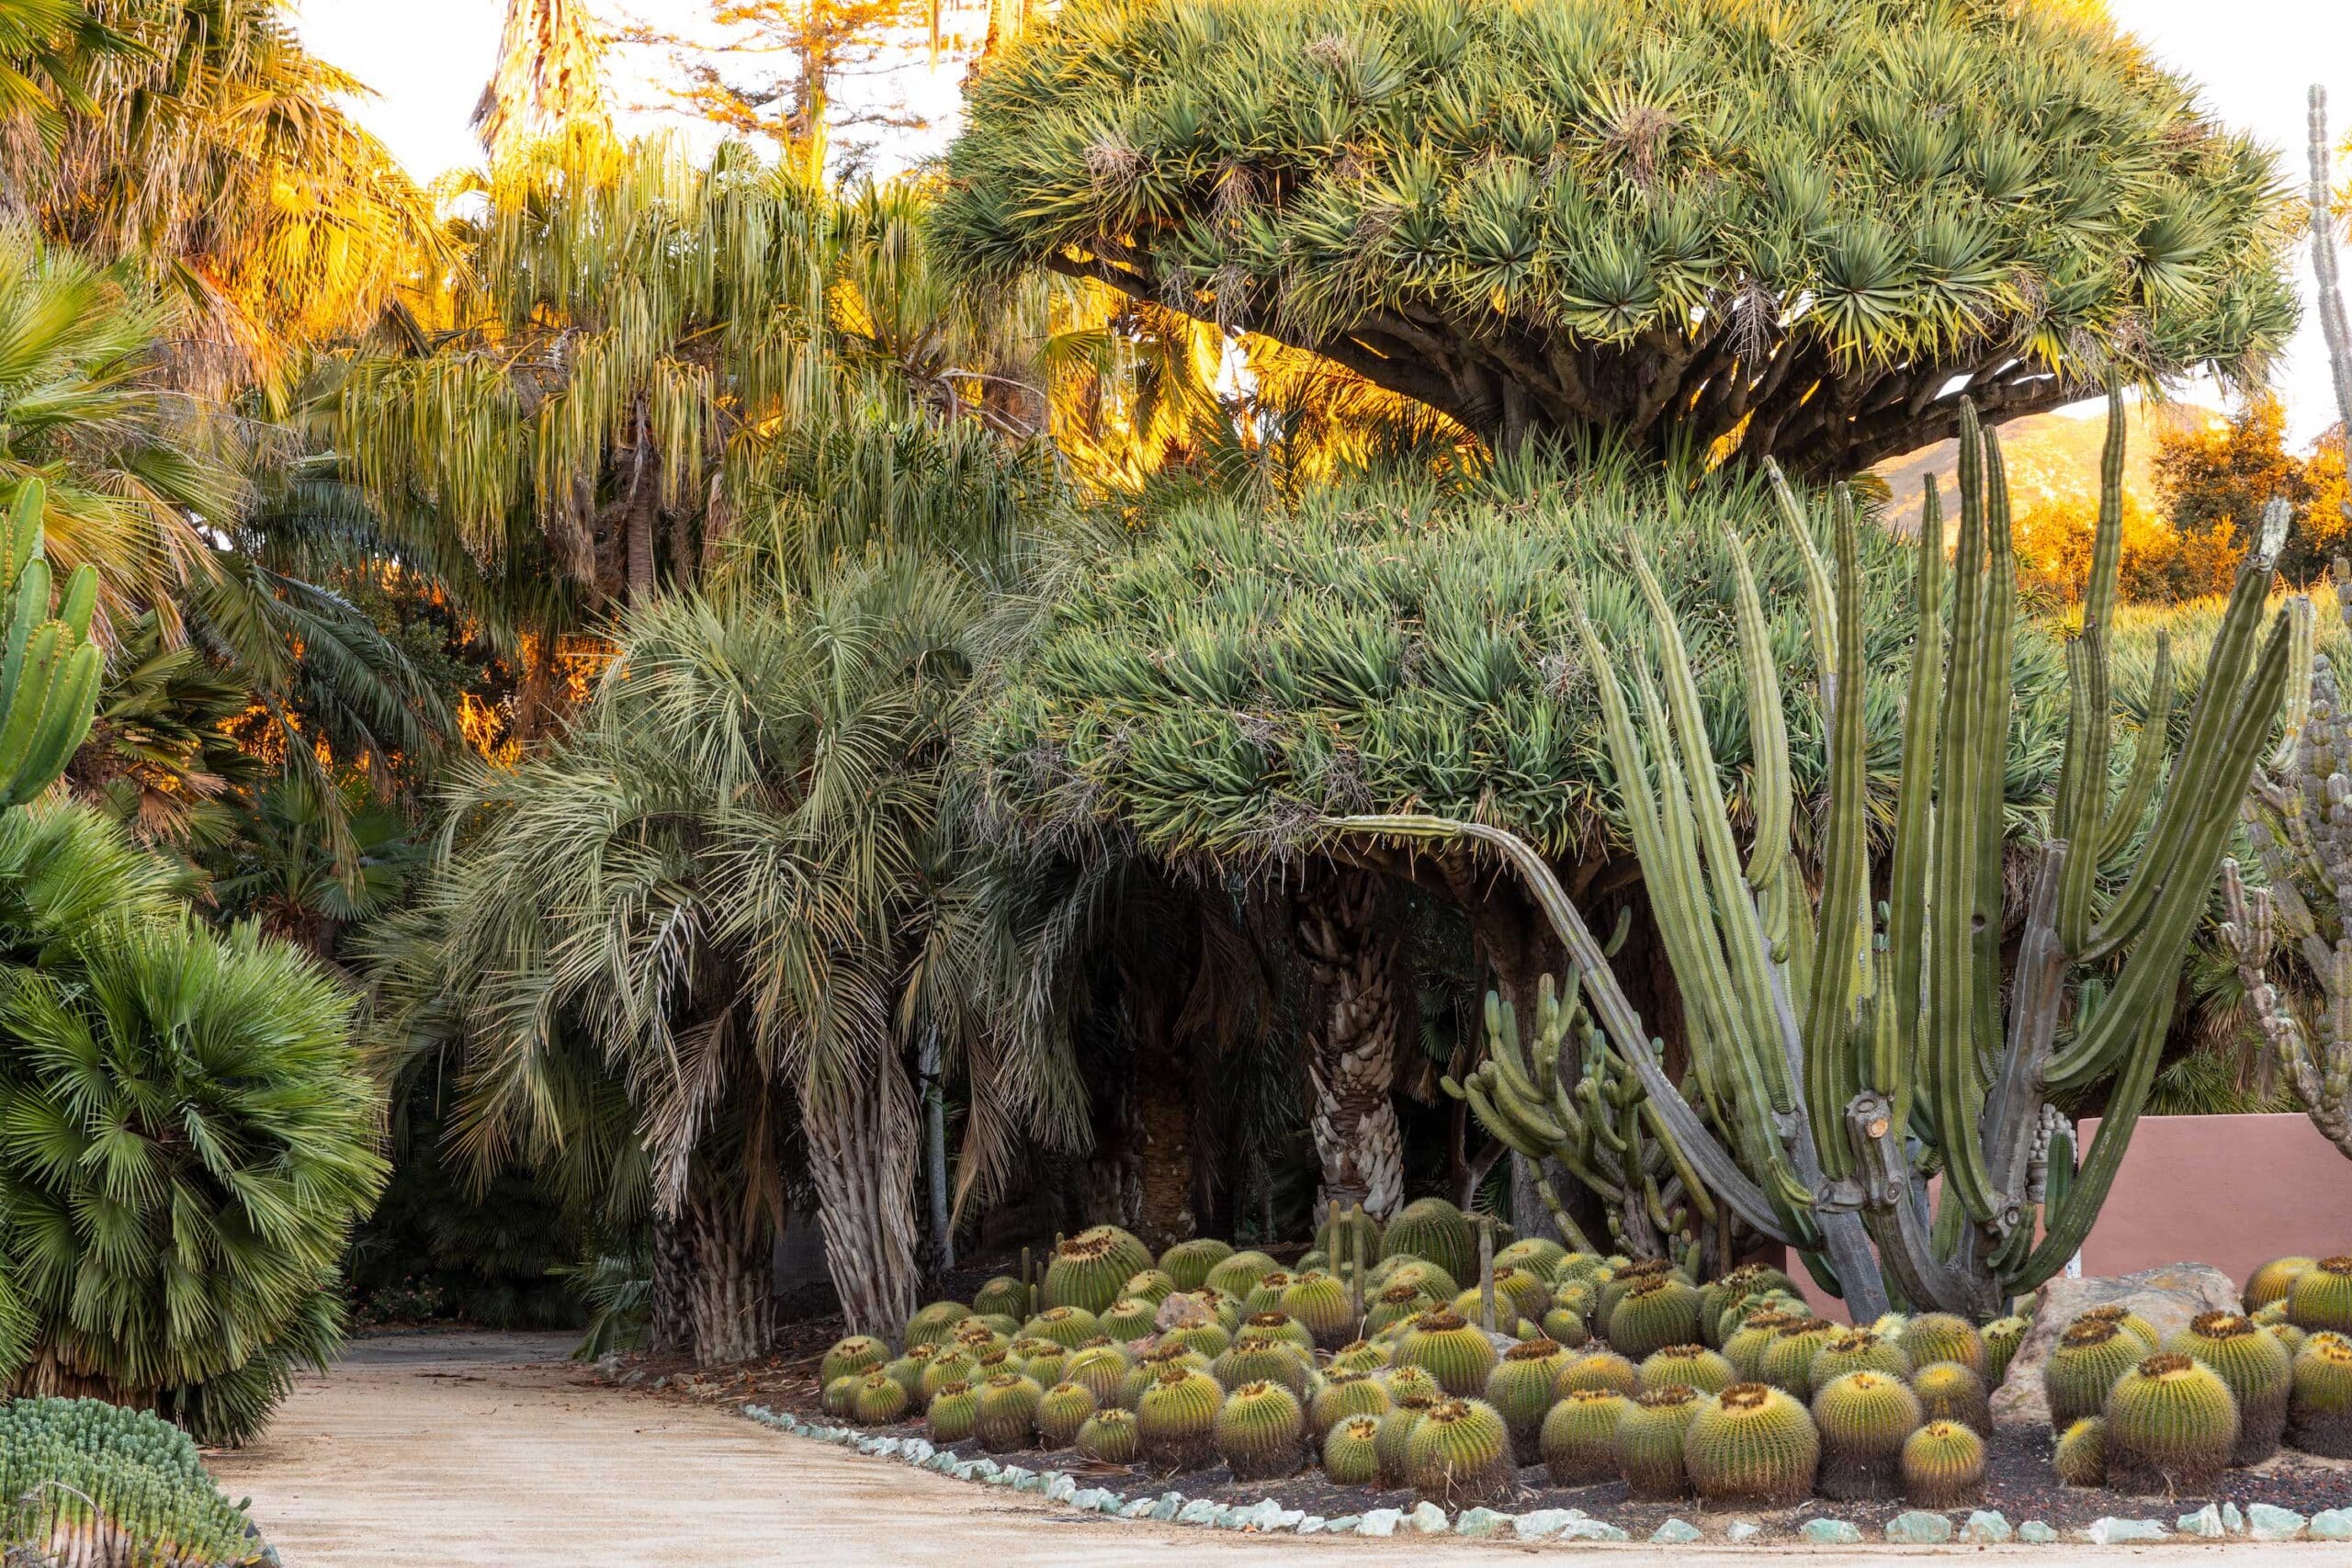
49	668
2321	1071
2333	327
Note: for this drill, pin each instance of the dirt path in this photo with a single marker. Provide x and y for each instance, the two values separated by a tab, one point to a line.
490	1451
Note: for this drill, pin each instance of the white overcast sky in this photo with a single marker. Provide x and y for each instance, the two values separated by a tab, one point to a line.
427	61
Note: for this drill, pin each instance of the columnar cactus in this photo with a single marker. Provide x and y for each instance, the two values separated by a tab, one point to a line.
1831	1041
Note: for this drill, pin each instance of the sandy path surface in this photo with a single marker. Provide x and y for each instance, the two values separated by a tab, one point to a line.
490	1451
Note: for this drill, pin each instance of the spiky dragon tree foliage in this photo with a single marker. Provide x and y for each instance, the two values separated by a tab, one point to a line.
1823	1042
1683	223
190	1137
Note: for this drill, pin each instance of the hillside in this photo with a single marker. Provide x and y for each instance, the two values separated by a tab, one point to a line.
2050	456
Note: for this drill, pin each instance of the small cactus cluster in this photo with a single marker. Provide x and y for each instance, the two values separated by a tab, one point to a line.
87	1482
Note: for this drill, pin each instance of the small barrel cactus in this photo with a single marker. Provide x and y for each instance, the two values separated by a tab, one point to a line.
1752	1445
1539	1254
1148	1367
1350	1456
2319	1300
1743	1347
1600	1368
2002	1338
1209	1338
1950	1392
1943	1465
1129	1319
1402	1380
1007	1420
880	1400
1358	1356
1565	1327
1153	1285
1320	1304
907	1370
1858	1351
1098	1369
1652	1313
1002	1296
1577	1268
2319	1408
1238	1273
2124	1317
1260	1431
1786	1362
1255	1357
953	1412
1427	1278
1266	1295
1520	1292
1435	1230
852	1357
2287	1334
2081	1458
1944	1336
2272	1281
944	1368
1649	1442
1176	1418
1693	1367
1459	1454
1061	1411
2172	1425
1345	1393
1522	1388
1276	1323
1088	1269
1862	1417
1189	1262
1578	1439
1457	1355
1613	1281
936	1324
840	1395
1045	1368
1394	1304
1109	1437
1391	1451
2256	1367
2083	1367
1719	1297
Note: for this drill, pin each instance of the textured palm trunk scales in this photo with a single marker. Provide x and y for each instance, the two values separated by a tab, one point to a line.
1352	1064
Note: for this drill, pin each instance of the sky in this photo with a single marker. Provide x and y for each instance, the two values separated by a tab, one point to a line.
426	60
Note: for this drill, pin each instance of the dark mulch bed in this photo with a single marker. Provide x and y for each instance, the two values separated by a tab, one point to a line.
2020	1483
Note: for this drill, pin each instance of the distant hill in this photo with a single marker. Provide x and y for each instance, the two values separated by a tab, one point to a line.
2050	455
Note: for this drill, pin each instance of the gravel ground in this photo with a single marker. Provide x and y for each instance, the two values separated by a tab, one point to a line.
492	1451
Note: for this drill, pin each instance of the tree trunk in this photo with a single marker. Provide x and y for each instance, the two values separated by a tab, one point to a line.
863	1134
1164	1118
1352	955
674	1267
730	1280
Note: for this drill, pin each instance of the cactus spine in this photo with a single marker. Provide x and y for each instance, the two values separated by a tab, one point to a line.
1863	1416
1940	1337
1088	1269
1320	1304
1943	1466
1830	1053
1786	1361
1434	1230
2172	1424
2124	1318
936	1324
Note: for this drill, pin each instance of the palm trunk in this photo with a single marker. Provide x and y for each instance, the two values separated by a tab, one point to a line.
728	1285
1351	1062
1164	1118
862	1135
674	1267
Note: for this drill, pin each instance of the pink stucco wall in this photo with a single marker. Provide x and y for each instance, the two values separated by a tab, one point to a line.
2233	1191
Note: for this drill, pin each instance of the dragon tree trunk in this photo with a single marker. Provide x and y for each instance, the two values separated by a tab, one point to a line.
1351	954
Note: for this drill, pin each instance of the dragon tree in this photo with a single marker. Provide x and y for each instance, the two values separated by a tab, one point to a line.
1802	231
1855	1027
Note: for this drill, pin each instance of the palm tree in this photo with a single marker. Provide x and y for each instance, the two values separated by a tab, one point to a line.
732	885
188	1136
551	76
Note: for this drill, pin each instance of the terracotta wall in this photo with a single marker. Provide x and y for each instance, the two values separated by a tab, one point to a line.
2233	1191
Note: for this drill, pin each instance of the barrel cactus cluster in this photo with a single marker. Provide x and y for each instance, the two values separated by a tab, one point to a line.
86	1482
1370	1360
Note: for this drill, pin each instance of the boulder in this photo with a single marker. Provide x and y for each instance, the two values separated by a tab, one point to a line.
2166	1297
